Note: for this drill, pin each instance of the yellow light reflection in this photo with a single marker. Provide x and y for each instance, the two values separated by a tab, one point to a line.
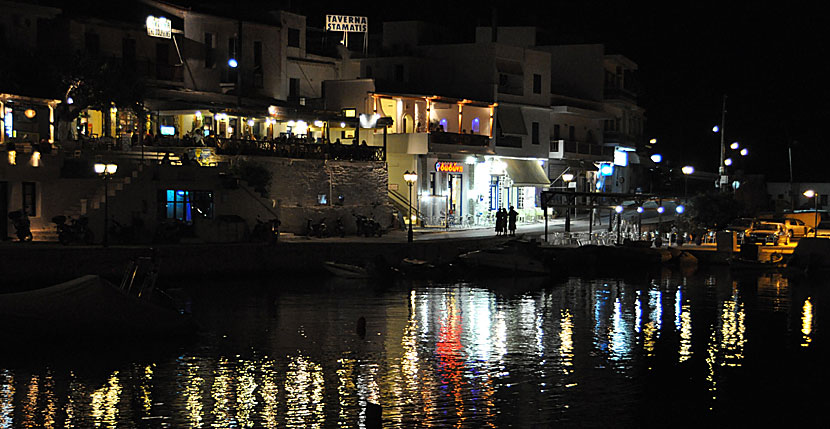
30	406
193	385
105	402
245	399
566	348
304	393
220	391
270	394
733	331
686	333
806	322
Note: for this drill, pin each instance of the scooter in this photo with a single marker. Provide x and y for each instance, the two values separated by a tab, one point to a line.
266	231
21	225
317	230
76	231
367	227
339	228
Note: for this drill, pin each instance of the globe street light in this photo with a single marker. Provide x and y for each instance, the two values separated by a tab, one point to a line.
410	178
814	195
106	171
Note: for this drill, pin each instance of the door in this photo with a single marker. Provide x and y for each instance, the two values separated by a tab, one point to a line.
454	200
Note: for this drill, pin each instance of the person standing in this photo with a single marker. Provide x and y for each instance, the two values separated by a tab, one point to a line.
499	222
511	223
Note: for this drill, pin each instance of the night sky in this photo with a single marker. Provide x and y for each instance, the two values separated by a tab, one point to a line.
769	60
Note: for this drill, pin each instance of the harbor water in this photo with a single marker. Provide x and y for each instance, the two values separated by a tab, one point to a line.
666	348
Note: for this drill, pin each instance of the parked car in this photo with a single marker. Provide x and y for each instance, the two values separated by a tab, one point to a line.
823	229
795	227
740	225
766	232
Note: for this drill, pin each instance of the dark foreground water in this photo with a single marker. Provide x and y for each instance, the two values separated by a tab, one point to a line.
658	350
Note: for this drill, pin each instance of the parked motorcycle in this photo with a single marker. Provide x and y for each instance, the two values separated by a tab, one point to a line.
367	226
73	230
339	228
266	231
21	225
317	229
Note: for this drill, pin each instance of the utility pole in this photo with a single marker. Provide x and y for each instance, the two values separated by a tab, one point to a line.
721	166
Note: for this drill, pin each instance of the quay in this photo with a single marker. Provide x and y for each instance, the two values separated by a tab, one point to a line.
26	265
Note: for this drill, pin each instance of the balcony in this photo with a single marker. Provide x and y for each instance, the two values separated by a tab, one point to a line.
509	141
560	149
620	93
456	142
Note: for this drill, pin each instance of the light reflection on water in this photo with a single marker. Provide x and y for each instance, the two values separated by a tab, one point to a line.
508	354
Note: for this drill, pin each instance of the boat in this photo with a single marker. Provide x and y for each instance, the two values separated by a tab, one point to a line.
89	308
507	259
750	264
348	271
811	256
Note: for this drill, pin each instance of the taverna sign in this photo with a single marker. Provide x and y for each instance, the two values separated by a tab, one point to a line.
353	24
159	27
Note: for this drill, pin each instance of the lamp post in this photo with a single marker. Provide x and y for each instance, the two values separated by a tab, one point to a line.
410	178
814	195
687	170
106	171
567	177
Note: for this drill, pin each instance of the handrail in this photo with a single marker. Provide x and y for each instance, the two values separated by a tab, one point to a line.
405	201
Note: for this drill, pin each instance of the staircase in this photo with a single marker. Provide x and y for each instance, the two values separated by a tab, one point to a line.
401	204
91	202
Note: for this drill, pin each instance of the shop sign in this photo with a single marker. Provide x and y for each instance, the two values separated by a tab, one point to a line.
354	24
159	27
449	167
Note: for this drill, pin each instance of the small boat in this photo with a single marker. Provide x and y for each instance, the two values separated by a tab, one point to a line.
348	271
776	261
507	259
88	308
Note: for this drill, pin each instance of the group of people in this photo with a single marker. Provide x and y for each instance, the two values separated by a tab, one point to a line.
506	221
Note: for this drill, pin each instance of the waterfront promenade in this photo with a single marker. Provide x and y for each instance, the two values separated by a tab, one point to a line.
41	263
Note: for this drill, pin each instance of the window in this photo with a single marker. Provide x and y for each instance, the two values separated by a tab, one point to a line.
537	84
293	37
29	198
571	133
293	87
210	51
554	145
257	56
185	205
534	132
556	132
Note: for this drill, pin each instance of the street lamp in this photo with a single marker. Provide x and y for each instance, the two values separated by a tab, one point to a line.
687	170
814	195
410	178
106	171
567	177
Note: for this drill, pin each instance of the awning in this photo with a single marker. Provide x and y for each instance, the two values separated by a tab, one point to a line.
511	120
526	172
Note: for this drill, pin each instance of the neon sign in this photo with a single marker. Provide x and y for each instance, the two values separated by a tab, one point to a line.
159	27
449	167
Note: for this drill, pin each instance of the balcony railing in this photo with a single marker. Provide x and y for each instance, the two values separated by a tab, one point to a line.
509	141
618	93
581	148
456	139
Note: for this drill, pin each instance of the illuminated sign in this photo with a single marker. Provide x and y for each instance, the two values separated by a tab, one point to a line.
354	24
621	158
159	27
606	169
349	112
449	167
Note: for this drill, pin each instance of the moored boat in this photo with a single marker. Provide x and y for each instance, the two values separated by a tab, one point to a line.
87	308
348	271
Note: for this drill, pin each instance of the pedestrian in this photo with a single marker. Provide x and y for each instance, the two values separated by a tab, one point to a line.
503	222
511	216
498	222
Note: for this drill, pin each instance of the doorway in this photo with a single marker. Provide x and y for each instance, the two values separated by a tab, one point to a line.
454	201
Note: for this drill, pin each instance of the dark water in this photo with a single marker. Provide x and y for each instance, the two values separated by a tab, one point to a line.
657	350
